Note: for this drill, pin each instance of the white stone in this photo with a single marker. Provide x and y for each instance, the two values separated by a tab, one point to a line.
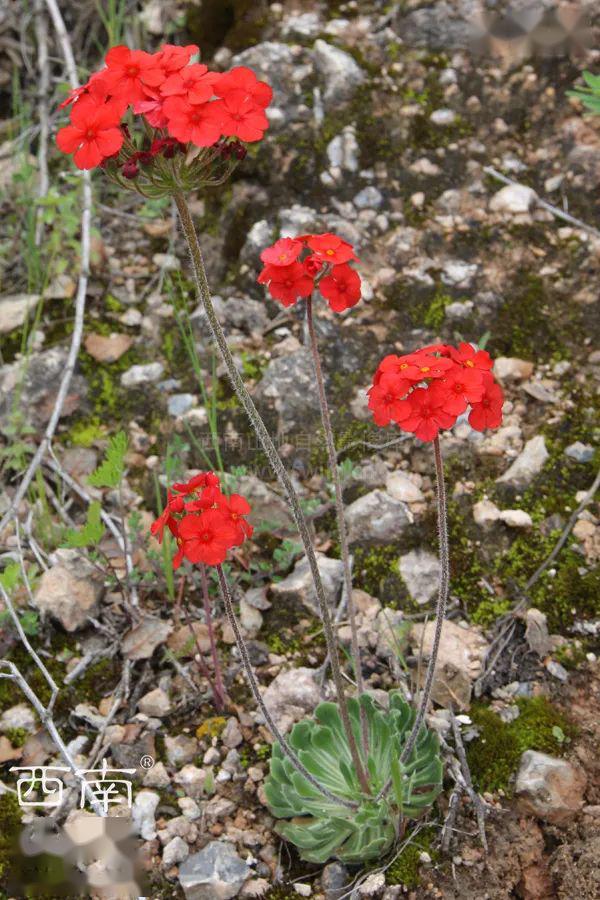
514	198
516	518
142	814
298	586
508	368
457	273
292	695
368	198
175	852
19	716
69	591
340	73
443	117
460	660
377	516
550	788
142	374
420	571
400	486
528	464
14	310
155	703
215	873
343	150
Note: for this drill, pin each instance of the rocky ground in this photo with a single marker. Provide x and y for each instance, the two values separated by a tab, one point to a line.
382	126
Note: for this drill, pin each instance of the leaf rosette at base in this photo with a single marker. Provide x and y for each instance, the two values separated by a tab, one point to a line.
320	828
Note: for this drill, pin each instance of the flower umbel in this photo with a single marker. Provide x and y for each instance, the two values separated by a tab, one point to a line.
291	272
204	522
424	392
195	122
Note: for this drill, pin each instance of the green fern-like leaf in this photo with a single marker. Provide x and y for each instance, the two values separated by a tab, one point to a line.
321	828
92	531
110	472
590	94
10	577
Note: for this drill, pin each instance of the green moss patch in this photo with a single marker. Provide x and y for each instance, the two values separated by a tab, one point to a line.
494	756
405	868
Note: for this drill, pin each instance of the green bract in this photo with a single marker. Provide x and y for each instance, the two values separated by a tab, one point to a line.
327	829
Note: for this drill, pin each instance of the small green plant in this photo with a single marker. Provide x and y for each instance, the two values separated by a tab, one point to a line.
110	472
367	827
590	94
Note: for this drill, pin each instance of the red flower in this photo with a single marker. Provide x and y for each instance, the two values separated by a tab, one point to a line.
331	247
341	288
240	117
93	134
195	83
282	253
197	482
386	400
427	415
471	357
189	122
128	72
287	283
166	518
235	508
462	387
313	265
172	58
487	413
207	537
243	81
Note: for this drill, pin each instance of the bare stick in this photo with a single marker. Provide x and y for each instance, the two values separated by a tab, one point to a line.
45	715
41	37
254	687
25	640
543	204
278	467
587	498
480	808
339	509
69	367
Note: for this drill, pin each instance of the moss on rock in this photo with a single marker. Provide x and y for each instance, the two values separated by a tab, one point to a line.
494	756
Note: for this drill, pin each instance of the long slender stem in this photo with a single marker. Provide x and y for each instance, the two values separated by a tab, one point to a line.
339	509
220	687
249	672
440	610
280	471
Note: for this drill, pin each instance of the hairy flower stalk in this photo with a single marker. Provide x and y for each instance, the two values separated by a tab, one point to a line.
220	693
249	671
279	469
440	610
339	509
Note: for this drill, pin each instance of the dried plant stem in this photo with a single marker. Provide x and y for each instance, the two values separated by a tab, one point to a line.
339	510
440	610
279	469
69	367
44	712
220	693
254	687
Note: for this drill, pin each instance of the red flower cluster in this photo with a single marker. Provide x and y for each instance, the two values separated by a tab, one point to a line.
325	265
204	522
425	391
189	103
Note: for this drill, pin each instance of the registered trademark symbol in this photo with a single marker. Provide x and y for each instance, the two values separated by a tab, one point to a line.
146	762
